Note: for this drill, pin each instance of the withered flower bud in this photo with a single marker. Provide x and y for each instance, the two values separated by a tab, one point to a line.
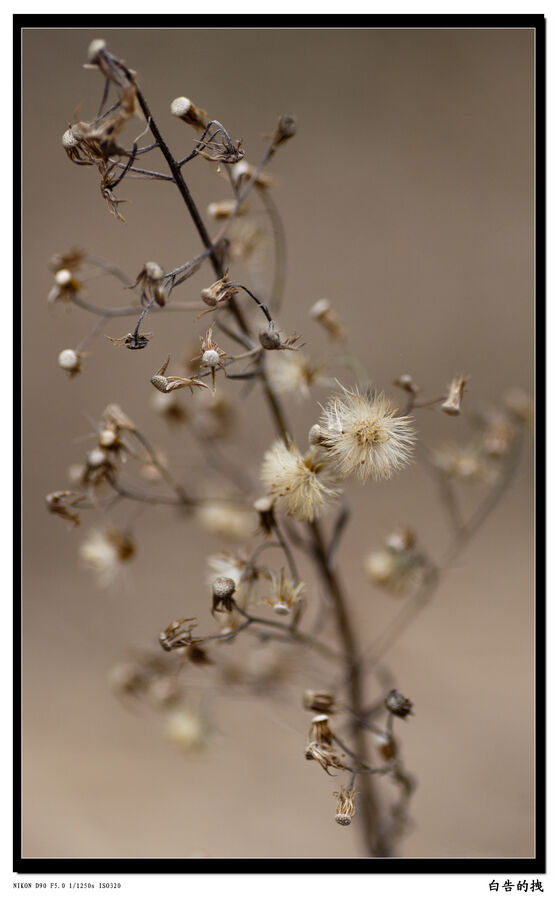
319	701
218	292
149	280
406	383
286	128
177	634
243	171
272	340
323	313
398	704
326	758
225	208
320	730
60	503
223	592
167	383
265	507
452	404
401	539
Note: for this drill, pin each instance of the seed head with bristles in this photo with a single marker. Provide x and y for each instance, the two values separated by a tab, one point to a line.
299	483
363	436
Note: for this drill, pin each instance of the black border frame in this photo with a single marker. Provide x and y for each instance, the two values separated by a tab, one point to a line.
403	866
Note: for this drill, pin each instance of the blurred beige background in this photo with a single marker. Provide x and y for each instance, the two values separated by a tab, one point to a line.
407	199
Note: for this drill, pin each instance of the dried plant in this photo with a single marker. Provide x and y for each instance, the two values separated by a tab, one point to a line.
303	513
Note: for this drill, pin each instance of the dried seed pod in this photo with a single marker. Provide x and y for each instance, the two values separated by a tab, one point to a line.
452	405
183	108
323	313
345	806
319	701
223	593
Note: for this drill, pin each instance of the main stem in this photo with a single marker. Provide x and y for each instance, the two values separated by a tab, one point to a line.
376	844
375	841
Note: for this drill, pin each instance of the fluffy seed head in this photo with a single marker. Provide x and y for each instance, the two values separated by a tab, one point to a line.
69	360
298	483
210	358
363	436
95	47
180	106
69	139
63	277
153	271
96	457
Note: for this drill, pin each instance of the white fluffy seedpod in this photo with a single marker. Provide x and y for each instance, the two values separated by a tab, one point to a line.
69	140
153	271
187	730
364	436
180	106
96	458
298	483
95	47
108	438
63	277
70	361
210	358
